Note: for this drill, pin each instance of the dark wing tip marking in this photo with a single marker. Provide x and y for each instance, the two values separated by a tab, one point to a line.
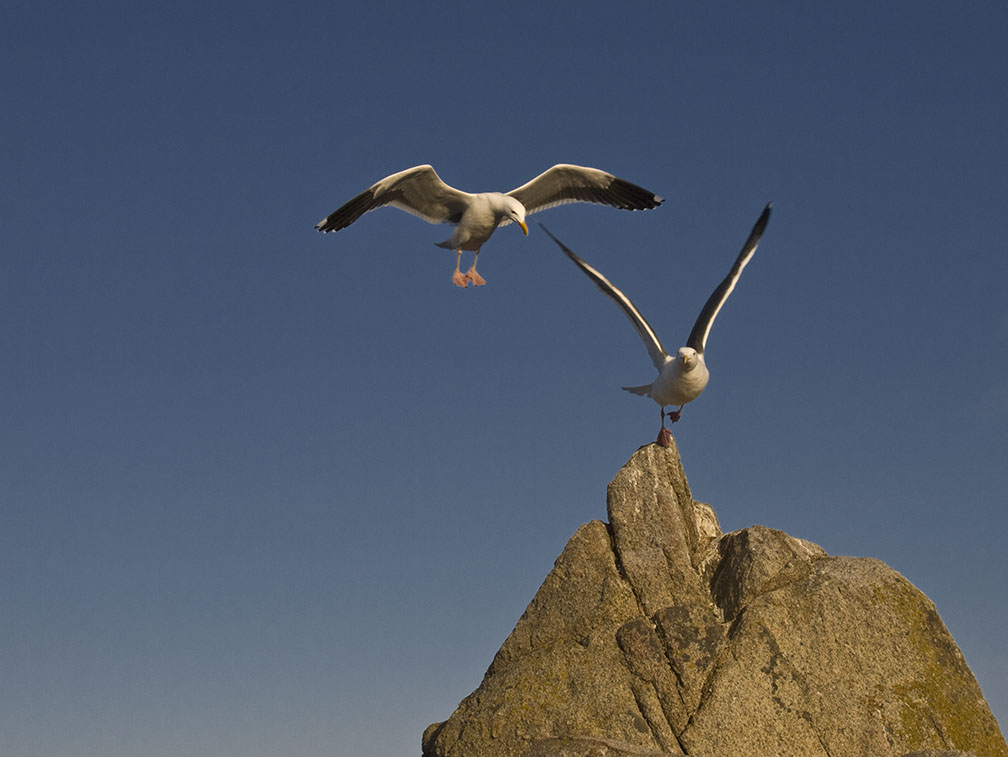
348	213
562	246
630	196
760	225
644	329
581	263
698	336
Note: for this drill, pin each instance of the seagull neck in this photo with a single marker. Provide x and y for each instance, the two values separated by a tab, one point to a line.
496	200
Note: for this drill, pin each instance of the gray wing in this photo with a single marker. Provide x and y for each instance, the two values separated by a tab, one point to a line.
418	190
701	329
565	183
647	334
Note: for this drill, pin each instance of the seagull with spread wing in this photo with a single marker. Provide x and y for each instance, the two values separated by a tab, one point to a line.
420	191
682	378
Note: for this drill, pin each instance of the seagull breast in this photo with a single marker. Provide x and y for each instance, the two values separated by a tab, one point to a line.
676	386
477	223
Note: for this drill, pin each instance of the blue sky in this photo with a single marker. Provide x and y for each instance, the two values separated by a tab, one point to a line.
265	491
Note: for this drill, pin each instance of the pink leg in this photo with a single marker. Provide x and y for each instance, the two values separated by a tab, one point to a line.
459	279
665	436
474	277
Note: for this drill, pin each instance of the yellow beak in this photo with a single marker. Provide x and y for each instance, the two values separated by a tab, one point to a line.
523	227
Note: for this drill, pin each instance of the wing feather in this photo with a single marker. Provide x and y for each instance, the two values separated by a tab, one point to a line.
647	334
701	329
418	190
564	183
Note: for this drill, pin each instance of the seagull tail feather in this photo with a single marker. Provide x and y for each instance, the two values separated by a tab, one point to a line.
643	391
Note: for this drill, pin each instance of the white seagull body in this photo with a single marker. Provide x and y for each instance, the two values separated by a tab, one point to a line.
420	191
682	378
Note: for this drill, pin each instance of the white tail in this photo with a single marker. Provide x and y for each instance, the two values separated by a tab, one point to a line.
643	391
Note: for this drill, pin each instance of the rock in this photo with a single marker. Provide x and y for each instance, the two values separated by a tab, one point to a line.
656	635
570	747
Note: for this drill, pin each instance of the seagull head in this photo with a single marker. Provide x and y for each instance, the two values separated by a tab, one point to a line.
515	211
688	358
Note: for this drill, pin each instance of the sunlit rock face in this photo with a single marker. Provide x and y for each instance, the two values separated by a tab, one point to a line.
654	634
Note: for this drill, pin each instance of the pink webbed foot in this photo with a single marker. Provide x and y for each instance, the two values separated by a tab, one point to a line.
665	436
474	277
460	279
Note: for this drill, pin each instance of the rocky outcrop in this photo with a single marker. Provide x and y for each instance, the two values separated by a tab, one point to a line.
656	635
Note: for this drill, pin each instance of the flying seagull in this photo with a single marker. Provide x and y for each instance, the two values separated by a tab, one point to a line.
682	378
420	191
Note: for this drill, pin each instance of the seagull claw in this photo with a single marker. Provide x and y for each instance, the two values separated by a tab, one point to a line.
459	279
665	437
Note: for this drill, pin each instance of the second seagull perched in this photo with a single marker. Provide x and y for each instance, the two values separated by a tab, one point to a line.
420	191
682	378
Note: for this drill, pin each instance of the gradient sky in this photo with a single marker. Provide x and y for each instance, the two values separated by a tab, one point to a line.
265	491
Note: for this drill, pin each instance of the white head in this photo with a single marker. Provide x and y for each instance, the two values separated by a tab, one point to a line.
515	211
688	358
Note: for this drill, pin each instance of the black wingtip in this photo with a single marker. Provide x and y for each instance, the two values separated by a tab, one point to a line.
628	196
761	222
562	246
550	234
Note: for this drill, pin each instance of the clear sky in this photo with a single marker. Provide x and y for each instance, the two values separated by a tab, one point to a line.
265	491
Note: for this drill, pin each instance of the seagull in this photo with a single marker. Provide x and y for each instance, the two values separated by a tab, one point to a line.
682	378
420	191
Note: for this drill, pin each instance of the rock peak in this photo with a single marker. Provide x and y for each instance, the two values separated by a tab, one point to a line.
655	634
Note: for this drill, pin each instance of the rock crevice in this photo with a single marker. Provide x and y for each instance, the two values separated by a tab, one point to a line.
655	634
